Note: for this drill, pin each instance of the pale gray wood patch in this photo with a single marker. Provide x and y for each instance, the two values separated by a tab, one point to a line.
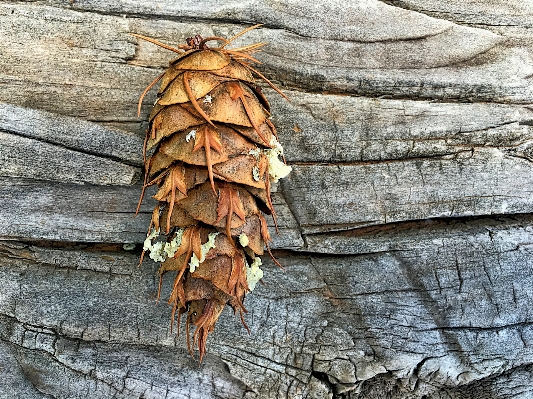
72	133
288	235
319	128
71	212
41	210
92	367
21	157
426	52
361	21
341	197
406	224
490	14
369	317
99	74
14	382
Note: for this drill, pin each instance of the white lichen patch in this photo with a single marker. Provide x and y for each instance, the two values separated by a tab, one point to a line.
195	262
157	252
274	143
147	246
190	135
129	246
255	153
276	168
255	173
243	240
172	247
153	234
254	273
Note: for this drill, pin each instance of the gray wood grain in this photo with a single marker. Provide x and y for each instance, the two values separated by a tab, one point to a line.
95	370
41	210
21	157
339	197
371	317
504	16
323	198
14	382
71	212
406	224
319	128
407	236
72	133
477	164
360	22
99	74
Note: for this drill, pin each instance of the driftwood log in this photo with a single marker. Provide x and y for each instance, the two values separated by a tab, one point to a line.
406	225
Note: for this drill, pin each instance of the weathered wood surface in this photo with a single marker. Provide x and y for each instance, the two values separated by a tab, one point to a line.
406	224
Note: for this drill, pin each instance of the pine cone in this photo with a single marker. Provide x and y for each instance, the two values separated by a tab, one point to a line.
213	154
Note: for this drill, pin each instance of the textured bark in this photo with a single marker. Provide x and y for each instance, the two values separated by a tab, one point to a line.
406	226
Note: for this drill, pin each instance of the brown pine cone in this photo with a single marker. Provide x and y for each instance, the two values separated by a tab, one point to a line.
213	154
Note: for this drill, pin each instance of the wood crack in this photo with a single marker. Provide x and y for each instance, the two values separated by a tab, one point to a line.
522	324
460	222
75	149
